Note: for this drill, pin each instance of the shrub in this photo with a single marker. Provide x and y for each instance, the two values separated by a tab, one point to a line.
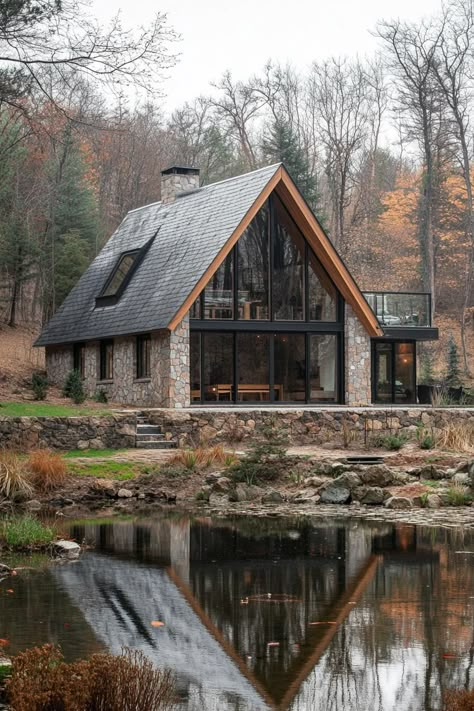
458	496
100	396
48	469
73	387
14	477
425	437
202	457
41	681
264	460
39	385
25	532
459	701
391	441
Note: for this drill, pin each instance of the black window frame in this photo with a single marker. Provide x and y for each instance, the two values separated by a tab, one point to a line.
110	300
141	372
103	374
392	342
79	358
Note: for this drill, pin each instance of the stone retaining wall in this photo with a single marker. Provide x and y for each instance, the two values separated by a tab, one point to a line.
108	431
335	426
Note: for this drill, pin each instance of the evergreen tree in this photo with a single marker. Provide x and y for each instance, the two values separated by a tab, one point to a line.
72	239
453	378
281	145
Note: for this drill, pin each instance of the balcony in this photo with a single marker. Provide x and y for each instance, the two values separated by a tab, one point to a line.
406	314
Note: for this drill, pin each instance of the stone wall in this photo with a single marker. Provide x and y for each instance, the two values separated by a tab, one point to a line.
357	361
330	426
94	432
169	382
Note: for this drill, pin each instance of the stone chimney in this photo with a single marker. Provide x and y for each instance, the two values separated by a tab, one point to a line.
178	179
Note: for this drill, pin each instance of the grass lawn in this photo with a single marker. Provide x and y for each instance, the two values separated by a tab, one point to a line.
42	409
121	471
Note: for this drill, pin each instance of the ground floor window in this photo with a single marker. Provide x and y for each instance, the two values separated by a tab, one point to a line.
143	355
79	358
253	366
106	360
394	372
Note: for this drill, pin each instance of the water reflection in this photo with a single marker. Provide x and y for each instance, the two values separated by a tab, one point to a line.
265	613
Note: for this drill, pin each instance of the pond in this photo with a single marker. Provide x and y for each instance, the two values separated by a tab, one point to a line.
264	613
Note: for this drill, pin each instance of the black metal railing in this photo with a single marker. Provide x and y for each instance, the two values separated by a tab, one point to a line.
404	309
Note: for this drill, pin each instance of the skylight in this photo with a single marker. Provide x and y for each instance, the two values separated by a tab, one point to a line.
120	272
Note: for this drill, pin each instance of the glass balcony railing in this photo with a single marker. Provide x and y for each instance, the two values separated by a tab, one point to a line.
403	309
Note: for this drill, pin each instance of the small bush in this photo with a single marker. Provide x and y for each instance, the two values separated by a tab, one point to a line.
458	496
74	388
202	457
39	385
25	532
391	441
101	396
459	701
264	461
48	469
41	681
425	437
14	477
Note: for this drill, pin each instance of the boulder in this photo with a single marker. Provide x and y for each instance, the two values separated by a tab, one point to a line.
272	497
348	480
335	494
378	475
314	482
124	494
399	503
245	492
223	485
218	499
374	496
433	501
32	505
431	472
306	496
212	477
462	479
67	549
104	487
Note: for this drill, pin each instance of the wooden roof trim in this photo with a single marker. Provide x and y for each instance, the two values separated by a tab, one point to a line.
326	253
217	261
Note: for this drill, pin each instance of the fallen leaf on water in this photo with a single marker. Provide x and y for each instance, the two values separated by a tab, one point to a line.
4	642
157	623
449	656
13	572
323	623
273	644
10	590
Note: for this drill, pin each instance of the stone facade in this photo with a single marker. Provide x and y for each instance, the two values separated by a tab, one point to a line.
337	426
167	386
94	432
357	358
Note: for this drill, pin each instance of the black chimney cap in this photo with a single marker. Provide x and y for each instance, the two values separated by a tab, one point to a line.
180	170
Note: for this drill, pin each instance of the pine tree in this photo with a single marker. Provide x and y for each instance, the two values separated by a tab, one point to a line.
453	378
281	145
73	223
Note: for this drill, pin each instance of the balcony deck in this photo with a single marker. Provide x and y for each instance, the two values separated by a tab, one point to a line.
403	314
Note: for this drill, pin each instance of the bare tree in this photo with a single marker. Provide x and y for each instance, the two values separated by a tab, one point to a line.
454	68
411	55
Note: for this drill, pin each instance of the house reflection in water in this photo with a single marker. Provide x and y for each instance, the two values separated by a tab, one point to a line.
260	614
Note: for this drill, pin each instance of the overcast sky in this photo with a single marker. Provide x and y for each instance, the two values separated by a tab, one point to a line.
242	35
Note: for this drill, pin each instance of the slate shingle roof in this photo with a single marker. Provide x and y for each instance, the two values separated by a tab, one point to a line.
190	232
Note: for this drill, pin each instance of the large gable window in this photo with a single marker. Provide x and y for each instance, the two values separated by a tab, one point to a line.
268	326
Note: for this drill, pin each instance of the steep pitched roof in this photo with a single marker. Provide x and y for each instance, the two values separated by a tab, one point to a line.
193	236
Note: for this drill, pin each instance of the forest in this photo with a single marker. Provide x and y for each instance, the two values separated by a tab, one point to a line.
381	147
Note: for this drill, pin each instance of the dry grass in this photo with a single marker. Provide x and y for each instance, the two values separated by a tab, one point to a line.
15	483
203	457
456	437
41	681
48	469
459	701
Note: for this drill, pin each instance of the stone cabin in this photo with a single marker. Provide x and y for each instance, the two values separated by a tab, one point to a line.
232	294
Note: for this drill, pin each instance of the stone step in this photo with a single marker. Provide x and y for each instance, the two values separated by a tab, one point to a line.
158	444
150	437
148	429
